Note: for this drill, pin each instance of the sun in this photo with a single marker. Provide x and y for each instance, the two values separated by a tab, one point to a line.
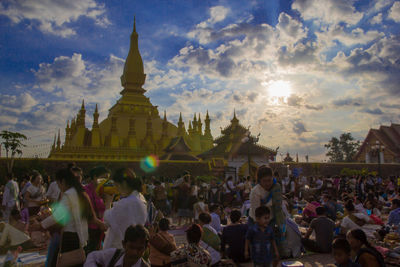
280	89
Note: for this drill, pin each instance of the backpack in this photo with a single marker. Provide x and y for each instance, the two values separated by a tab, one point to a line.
377	255
160	243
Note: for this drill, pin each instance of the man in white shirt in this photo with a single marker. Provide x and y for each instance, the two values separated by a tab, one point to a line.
134	245
53	193
10	198
131	210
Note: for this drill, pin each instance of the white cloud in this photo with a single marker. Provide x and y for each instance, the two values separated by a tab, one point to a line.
17	103
394	12
217	14
290	30
74	78
339	33
377	19
328	11
54	16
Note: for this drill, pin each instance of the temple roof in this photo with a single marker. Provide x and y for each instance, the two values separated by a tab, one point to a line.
233	142
178	149
388	136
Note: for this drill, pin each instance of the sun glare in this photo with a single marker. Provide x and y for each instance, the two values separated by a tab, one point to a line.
279	89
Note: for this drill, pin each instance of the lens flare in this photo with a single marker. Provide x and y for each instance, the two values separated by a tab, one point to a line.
149	163
60	213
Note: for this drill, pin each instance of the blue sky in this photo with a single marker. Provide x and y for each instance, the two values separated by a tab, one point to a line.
298	72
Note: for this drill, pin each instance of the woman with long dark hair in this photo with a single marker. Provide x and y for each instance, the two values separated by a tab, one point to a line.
72	213
366	255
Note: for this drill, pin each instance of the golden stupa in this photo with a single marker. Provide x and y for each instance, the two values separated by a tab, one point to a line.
133	128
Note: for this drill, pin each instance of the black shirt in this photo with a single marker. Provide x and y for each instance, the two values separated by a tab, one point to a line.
234	236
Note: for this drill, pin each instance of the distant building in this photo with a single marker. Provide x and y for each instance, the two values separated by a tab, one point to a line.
133	128
383	143
239	149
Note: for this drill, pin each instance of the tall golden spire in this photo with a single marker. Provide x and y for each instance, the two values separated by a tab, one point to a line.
133	76
207	130
67	134
199	125
58	141
181	126
95	118
234	120
53	147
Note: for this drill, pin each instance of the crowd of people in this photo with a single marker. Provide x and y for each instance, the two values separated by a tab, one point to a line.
119	219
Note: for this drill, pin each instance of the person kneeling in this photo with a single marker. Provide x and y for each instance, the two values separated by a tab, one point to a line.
323	227
134	245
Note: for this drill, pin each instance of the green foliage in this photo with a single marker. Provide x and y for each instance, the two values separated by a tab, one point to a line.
354	172
12	143
342	149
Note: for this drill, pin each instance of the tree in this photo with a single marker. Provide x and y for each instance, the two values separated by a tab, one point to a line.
12	142
342	149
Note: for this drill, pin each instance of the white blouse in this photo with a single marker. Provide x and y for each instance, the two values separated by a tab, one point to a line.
128	211
68	211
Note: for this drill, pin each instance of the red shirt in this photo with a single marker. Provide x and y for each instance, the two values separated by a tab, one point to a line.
97	203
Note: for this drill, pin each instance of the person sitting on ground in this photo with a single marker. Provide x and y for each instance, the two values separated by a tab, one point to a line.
210	239
358	206
323	227
353	220
372	209
260	239
215	212
134	245
161	245
234	235
342	253
191	254
13	234
199	207
394	215
366	255
330	207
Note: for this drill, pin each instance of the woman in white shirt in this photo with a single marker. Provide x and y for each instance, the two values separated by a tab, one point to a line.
71	212
130	210
34	194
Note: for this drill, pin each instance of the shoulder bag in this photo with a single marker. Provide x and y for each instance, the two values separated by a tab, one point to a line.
70	258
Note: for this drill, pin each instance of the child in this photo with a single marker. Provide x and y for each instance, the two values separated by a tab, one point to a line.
341	252
199	207
260	239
